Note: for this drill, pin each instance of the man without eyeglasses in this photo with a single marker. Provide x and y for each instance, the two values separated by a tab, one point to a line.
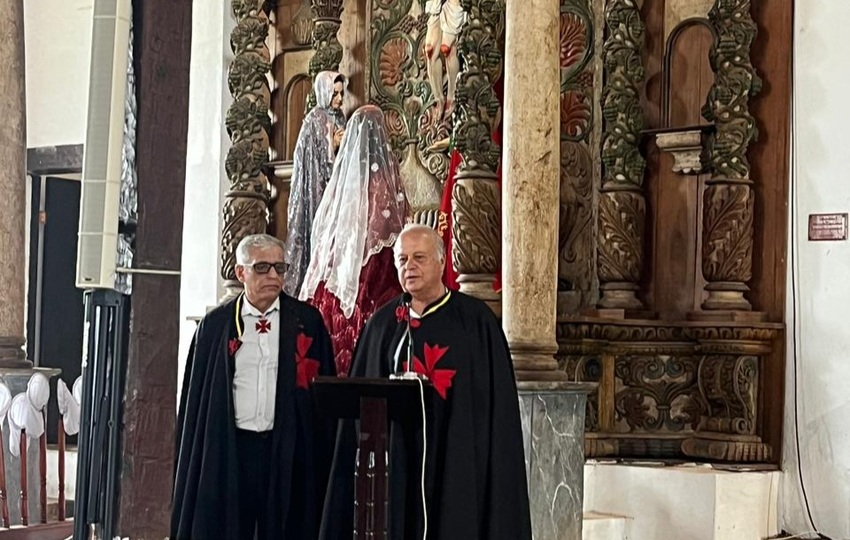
474	480
252	459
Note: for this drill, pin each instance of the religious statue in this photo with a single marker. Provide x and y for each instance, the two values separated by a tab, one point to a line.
352	272
315	151
445	19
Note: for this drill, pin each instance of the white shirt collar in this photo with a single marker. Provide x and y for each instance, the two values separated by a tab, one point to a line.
249	309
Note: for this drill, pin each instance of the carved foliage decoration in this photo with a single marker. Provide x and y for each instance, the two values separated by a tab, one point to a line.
576	52
575	230
727	248
622	217
729	389
476	227
585	368
399	85
328	50
735	82
676	389
621	96
622	211
729	197
248	124
657	392
575	236
478	108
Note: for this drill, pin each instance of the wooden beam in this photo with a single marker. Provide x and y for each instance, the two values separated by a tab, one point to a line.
163	33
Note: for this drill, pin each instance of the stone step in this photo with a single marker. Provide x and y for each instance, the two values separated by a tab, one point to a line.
602	526
684	501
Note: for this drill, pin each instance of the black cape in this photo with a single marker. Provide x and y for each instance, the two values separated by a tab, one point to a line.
205	501
475	471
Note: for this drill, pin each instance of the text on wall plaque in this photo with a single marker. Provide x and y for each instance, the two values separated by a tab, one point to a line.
825	227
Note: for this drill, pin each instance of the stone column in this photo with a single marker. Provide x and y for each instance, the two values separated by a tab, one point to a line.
531	186
13	171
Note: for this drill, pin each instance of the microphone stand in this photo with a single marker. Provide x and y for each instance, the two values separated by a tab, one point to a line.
409	373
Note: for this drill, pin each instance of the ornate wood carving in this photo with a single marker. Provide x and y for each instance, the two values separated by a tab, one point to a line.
585	368
476	201
328	49
622	211
579	133
248	124
687	148
478	108
476	234
398	85
728	200
672	389
659	393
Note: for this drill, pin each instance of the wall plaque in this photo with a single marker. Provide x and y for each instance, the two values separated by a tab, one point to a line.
823	227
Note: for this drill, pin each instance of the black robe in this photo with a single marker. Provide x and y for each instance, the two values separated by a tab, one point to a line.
475	471
205	501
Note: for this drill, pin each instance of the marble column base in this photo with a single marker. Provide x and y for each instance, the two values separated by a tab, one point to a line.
553	436
16	380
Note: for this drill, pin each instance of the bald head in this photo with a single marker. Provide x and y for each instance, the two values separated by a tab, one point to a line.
421	232
420	259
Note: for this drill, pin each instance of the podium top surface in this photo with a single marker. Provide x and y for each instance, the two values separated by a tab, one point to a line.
341	397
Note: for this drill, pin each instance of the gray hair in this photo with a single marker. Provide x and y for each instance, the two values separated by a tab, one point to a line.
256	241
416	228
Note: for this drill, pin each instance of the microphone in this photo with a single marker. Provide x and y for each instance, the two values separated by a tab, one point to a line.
408	373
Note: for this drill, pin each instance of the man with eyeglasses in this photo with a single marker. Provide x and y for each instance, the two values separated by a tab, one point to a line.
252	458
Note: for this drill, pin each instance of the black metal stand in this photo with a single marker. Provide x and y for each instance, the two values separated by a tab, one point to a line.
99	452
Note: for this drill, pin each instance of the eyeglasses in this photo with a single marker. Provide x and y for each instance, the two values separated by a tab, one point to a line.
265	267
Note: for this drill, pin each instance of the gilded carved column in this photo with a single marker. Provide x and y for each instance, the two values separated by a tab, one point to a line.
248	124
622	209
327	20
532	185
476	207
13	178
729	197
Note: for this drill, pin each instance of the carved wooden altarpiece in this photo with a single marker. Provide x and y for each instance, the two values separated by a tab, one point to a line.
673	224
686	337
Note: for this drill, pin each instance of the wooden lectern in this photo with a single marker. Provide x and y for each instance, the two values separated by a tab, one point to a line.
375	402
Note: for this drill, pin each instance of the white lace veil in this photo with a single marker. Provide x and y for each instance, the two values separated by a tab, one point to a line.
362	210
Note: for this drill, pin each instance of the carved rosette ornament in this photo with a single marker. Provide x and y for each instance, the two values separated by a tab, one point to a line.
622	209
729	198
476	199
328	50
248	124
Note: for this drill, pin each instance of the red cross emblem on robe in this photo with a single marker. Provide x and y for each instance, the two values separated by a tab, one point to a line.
263	326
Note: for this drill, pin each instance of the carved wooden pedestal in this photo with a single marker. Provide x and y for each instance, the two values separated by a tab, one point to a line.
476	234
670	389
